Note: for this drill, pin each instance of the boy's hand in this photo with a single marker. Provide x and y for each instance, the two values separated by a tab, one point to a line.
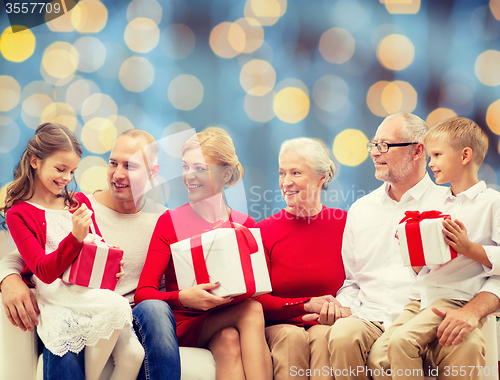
456	236
81	222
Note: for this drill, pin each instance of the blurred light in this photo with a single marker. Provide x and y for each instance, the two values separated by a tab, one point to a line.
78	91
385	98
172	141
349	147
260	108
185	92
144	8
99	106
136	74
62	23
495	8
336	45
257	77
122	124
60	60
89	16
266	12
392	98
330	93
227	39
402	6
142	35
493	117
135	114
9	134
38	87
292	82
10	93
439	115
254	34
486	68
177	41
91	174
487	174
99	135
396	52
350	15
60	113
116	54
291	105
458	97
265	53
335	118
17	47
91	53
32	109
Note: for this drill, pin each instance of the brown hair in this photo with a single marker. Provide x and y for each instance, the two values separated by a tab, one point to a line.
461	132
216	144
49	138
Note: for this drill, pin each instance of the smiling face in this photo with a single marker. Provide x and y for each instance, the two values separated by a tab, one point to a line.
395	165
445	161
299	184
55	172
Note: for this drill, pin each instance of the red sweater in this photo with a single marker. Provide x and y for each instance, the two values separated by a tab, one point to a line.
304	259
174	225
29	230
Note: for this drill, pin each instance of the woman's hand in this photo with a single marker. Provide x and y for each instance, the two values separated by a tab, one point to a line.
197	297
329	314
119	275
315	304
81	222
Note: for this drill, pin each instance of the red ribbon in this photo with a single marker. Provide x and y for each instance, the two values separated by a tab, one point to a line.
246	246
413	236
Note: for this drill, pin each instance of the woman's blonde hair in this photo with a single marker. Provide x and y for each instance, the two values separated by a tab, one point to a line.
216	144
315	153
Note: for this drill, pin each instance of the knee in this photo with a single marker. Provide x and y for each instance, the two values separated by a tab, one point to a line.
252	313
343	340
399	342
226	342
152	310
154	318
292	336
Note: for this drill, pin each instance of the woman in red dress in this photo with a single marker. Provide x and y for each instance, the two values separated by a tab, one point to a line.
234	333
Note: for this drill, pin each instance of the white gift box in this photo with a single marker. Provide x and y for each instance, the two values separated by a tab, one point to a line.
421	241
222	255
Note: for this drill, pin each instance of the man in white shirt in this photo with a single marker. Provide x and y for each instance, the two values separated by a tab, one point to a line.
377	284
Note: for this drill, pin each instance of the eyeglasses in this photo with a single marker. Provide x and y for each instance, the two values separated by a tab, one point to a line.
383	147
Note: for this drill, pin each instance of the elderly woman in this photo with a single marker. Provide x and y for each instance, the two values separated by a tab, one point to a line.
303	246
233	332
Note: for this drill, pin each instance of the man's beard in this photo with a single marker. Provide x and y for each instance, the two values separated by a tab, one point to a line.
397	173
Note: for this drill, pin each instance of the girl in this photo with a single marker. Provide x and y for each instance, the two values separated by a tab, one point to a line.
48	225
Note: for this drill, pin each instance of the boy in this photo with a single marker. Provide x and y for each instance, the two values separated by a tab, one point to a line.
456	148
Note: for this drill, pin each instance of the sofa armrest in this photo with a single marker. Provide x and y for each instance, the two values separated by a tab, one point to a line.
197	364
18	350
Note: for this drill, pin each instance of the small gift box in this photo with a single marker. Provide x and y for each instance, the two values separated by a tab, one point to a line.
421	239
96	265
233	256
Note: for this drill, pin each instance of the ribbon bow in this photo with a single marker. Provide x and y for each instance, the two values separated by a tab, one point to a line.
417	216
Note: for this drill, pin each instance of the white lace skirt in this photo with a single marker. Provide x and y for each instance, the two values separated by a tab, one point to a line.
72	316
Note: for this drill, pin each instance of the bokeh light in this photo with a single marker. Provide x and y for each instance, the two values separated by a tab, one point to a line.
495	8
385	98
145	8
227	39
60	113
78	91
396	52
266	12
89	16
177	41
142	35
60	60
260	108
17	47
459	97
330	93
254	34
91	174
10	93
91	54
122	124
98	135
439	115
136	74
172	140
493	117
9	134
486	68
349	147
185	92
291	105
257	77
99	106
336	45
32	109
402	6
116	54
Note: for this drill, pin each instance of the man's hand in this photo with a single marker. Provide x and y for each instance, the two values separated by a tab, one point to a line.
330	313
19	303
197	297
456	325
315	304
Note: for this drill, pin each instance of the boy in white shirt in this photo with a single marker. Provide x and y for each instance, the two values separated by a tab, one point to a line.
456	148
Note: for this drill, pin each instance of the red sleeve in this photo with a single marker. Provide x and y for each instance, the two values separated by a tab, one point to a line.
46	267
155	266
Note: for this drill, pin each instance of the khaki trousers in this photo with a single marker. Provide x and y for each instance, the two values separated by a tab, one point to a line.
410	347
349	343
299	353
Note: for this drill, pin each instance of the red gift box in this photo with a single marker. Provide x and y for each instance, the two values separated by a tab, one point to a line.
96	265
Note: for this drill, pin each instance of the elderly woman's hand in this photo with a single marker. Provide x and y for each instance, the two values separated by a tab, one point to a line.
197	297
315	304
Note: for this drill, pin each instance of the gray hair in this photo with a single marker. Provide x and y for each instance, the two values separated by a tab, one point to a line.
413	127
315	153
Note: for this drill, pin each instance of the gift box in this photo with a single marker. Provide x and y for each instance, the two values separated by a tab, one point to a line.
96	265
421	239
233	256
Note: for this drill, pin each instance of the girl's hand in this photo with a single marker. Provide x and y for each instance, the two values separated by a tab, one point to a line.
119	276
197	297
81	222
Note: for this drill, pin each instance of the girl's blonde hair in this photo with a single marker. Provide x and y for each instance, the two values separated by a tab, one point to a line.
49	138
216	144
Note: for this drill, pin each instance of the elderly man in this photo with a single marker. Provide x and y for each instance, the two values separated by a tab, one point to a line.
127	218
377	284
